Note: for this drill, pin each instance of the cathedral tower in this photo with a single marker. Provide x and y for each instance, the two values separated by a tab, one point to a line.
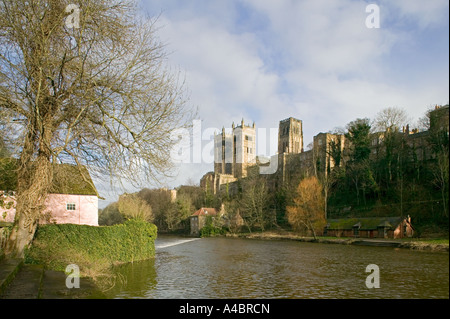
290	136
235	152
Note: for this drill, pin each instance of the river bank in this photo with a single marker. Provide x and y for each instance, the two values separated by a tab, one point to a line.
413	244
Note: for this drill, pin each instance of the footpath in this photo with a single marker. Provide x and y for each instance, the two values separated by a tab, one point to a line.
22	281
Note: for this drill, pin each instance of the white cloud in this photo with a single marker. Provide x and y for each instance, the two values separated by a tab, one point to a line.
419	14
266	60
224	72
339	69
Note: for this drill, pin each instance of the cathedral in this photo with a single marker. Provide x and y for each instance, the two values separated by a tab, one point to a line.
235	152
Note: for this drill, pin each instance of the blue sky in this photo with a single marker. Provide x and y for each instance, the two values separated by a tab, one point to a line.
266	60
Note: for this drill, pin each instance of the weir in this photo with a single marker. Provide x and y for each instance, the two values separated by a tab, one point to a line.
173	243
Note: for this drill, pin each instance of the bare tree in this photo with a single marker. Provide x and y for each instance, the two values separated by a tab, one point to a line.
308	211
441	173
131	206
254	203
84	84
390	119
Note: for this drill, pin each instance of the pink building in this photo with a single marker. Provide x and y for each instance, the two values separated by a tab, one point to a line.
73	199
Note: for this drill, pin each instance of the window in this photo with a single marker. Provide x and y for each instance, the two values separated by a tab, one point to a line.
70	206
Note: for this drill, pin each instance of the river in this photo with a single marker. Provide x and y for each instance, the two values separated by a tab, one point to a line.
248	268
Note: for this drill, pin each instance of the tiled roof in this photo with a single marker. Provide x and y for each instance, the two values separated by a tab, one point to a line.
363	223
205	211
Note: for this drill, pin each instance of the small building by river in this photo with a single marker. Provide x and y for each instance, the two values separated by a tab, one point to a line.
199	218
72	199
370	227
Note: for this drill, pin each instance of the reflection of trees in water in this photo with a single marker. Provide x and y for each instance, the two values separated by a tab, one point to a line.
137	278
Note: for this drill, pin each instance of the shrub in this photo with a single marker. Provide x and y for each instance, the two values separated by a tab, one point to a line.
210	229
93	248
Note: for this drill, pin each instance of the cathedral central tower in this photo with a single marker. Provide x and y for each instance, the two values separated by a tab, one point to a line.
290	136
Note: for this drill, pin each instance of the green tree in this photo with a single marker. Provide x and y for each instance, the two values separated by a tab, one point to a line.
358	166
110	215
439	141
358	134
180	211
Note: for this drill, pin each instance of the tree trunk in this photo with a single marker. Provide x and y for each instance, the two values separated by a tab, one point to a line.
33	189
312	229
21	236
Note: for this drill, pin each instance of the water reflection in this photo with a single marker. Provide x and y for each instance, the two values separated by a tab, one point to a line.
136	280
237	268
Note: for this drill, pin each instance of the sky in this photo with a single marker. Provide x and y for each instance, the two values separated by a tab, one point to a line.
318	61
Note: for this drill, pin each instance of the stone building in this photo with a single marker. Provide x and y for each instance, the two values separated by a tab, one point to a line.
290	136
236	151
439	118
328	151
199	219
234	155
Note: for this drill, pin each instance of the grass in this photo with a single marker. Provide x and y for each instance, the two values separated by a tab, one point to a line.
435	241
